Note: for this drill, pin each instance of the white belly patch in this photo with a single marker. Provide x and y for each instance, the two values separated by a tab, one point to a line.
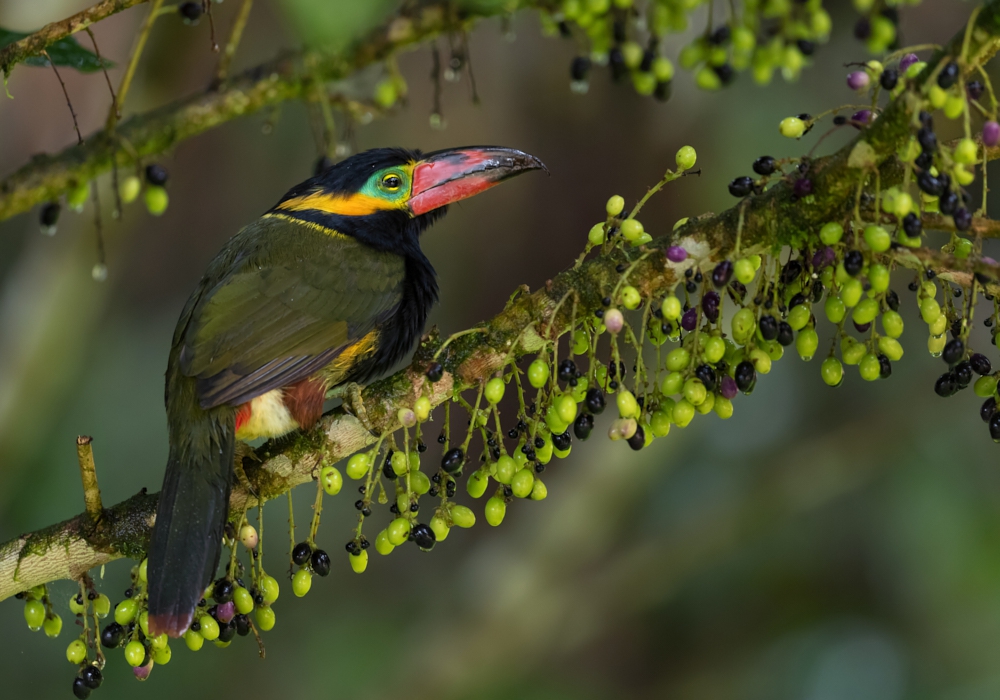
269	417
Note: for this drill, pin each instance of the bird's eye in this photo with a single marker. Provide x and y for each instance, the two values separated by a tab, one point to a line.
391	182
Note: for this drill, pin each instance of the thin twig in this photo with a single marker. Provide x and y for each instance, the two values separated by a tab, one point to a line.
116	107
88	475
76	125
239	24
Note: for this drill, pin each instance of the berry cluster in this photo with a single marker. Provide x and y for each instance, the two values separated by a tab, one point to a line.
627	37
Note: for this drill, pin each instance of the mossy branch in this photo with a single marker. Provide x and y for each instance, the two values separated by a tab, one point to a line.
530	320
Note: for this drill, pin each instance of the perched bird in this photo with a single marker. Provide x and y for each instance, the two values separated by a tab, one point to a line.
328	287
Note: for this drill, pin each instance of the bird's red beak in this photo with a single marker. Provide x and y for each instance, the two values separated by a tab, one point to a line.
448	176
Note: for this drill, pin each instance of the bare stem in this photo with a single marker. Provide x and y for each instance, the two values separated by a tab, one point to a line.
88	475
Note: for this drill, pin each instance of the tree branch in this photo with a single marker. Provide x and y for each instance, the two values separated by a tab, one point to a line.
34	44
530	320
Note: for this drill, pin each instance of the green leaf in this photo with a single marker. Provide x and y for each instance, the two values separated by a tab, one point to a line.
65	52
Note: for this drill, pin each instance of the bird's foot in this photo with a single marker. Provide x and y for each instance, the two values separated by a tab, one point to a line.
353	403
243	452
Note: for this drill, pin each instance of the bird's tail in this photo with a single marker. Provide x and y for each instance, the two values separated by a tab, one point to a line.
190	518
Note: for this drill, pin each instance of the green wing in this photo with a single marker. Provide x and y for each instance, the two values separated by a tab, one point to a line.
280	302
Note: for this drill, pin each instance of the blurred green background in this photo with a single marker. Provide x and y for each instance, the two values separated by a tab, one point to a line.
820	545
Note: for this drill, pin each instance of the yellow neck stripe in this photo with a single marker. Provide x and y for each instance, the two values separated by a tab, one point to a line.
349	205
309	224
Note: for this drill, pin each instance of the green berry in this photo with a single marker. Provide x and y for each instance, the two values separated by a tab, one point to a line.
495	510
596	234
714	350
357	466
462	516
144	622
963	247
744	271
628	407
683	413
852	351
799	316
399	463
870	367
723	407
878	276
631	230
156	199
331	479
631	297
792	127
892	324
832	371
386	93
566	408
615	205
930	310
743	325
382	544
419	482
877	238
269	589
52	626
760	360
359	561
671	308
209	627
659	423
265	618
686	157
301	582
695	392
422	408
76	652
707	79
125	611
161	656
195	641
129	189
478	481
890	347
965	152
242	600
831	233
102	606
850	292
77	196
34	614
806	343
539	492
398	531
672	384
74	606
834	309
135	652
505	469
440	528
865	311
985	386
538	373
521	484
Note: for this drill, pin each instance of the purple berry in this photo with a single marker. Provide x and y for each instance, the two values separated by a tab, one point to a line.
991	133
823	258
710	304
802	187
729	388
907	61
722	273
858	80
689	320
862	118
225	612
676	254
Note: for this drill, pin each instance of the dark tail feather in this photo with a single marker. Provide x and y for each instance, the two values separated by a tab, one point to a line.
190	518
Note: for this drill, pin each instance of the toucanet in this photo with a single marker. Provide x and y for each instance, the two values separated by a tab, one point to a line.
327	288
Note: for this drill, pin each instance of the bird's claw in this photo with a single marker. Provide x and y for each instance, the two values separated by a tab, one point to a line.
353	403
